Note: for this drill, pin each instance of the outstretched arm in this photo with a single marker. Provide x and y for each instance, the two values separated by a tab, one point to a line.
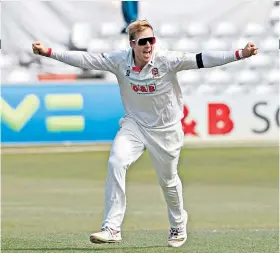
183	61
79	59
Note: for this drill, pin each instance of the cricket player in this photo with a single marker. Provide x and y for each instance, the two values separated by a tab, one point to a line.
153	103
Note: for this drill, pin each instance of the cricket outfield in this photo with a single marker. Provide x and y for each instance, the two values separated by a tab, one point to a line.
52	202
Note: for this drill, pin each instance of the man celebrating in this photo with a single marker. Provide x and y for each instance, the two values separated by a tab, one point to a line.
153	104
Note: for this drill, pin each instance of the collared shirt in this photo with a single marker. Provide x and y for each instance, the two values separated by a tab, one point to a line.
151	96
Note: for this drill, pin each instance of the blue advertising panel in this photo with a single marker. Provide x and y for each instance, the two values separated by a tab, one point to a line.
57	113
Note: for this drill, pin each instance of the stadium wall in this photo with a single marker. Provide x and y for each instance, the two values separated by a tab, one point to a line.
83	113
25	21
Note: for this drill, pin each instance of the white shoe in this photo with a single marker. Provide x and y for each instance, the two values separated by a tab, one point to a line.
178	236
106	235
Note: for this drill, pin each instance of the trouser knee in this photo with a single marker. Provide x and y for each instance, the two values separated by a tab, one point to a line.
169	182
116	163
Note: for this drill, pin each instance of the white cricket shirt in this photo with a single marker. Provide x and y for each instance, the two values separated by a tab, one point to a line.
152	96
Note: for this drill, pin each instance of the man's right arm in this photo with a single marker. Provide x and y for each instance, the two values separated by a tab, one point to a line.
80	59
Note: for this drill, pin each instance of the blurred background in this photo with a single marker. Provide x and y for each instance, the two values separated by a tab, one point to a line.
99	26
96	26
58	122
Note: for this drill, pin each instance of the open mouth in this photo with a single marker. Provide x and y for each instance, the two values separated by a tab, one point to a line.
147	53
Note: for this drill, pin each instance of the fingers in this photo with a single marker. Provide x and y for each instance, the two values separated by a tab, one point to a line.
252	48
36	46
255	51
251	44
35	50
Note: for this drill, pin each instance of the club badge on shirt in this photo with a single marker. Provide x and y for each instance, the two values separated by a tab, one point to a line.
155	72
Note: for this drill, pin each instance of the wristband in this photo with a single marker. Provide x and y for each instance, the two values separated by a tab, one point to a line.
238	54
49	52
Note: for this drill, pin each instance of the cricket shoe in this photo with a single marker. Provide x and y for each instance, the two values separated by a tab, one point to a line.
106	235
178	236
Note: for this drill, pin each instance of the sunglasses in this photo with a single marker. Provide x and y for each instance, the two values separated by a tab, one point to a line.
143	41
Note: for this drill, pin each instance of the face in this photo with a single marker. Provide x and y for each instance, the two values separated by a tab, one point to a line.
143	53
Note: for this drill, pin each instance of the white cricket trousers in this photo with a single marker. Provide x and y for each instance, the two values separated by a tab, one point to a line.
164	146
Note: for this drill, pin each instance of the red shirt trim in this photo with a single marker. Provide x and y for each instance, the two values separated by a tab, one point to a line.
237	55
136	69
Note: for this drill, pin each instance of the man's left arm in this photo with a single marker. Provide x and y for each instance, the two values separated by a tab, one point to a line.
185	61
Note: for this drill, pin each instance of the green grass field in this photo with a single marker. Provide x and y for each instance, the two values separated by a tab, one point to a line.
52	202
